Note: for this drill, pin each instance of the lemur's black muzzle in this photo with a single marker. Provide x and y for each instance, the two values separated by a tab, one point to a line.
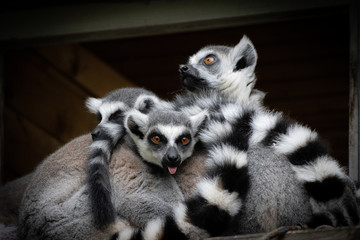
190	78
171	160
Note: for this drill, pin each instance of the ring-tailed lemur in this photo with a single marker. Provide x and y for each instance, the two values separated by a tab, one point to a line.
302	182
111	111
230	72
56	202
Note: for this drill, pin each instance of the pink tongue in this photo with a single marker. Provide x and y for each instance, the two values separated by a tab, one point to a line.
172	170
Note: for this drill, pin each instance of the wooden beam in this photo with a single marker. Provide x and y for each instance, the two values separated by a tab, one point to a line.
354	160
99	21
341	233
85	69
1	117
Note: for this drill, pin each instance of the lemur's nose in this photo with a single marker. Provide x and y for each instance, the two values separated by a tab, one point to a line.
95	134
184	68
172	155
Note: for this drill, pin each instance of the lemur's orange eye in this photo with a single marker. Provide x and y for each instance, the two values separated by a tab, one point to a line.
156	139
185	140
209	60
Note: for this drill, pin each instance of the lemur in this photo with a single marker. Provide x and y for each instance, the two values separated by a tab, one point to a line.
264	170
56	202
111	111
230	72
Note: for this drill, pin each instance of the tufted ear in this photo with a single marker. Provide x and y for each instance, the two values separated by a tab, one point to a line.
146	103
137	123
198	121
244	55
93	104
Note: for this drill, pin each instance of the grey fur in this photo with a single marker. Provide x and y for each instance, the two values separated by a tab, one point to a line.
10	197
275	198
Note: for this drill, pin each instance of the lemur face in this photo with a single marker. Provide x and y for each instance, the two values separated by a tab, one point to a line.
165	139
210	67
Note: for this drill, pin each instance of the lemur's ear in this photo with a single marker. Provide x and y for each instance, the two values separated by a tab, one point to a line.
93	104
198	121
244	55
137	123
146	103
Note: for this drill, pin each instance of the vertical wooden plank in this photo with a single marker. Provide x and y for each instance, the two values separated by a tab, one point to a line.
354	91
1	115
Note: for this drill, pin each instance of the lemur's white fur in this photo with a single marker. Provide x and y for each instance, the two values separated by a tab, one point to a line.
212	191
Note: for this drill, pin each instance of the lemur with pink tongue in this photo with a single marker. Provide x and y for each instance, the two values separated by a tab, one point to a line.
165	138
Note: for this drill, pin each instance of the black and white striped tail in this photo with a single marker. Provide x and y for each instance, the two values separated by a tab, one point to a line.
98	177
331	197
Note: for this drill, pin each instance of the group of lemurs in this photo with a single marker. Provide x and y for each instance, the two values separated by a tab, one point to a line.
214	161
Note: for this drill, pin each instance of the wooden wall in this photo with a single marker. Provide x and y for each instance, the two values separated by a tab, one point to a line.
45	92
303	66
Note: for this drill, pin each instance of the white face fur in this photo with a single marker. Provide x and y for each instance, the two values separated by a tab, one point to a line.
165	144
227	70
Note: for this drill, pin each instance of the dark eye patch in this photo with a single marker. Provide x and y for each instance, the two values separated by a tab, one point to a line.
117	117
186	135
163	139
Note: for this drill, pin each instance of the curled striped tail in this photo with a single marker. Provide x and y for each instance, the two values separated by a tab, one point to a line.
331	193
98	176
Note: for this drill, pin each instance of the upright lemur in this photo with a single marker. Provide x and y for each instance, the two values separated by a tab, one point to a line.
263	169
56	204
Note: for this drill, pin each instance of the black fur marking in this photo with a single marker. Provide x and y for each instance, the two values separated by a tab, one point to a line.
155	169
329	188
149	104
115	236
308	153
171	230
233	179
352	210
100	133
134	128
239	138
100	195
281	127
339	216
137	236
241	64
215	113
318	220
117	117
99	117
206	216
